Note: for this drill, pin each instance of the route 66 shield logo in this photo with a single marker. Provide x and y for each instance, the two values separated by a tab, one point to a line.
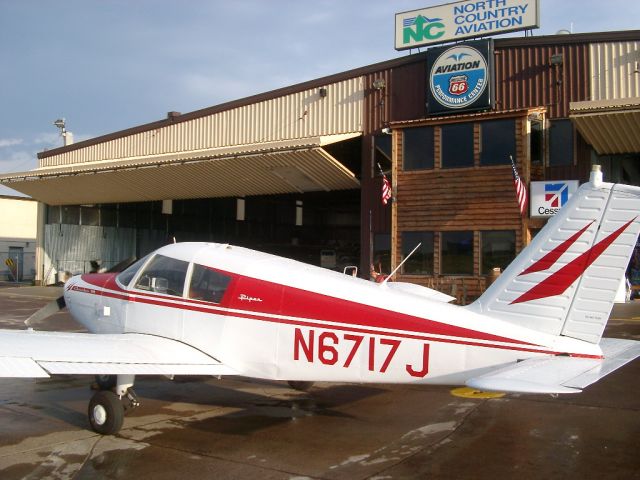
458	85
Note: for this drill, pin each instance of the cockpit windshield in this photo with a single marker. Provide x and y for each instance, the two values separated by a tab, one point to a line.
124	277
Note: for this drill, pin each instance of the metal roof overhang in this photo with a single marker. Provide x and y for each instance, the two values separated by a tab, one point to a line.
259	169
610	126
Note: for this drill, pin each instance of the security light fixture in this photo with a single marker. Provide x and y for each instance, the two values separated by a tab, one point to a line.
557	59
322	91
379	83
60	124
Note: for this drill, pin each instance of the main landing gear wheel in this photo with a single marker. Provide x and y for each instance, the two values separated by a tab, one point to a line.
300	385
106	382
106	413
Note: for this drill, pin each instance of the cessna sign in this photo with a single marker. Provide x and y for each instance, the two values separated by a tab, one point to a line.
461	20
548	197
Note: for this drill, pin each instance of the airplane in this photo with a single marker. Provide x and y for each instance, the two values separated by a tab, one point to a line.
217	309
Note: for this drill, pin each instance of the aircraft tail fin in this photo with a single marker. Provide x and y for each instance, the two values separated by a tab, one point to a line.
565	281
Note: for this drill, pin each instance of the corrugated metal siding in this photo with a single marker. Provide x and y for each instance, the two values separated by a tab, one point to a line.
71	248
525	77
614	67
298	115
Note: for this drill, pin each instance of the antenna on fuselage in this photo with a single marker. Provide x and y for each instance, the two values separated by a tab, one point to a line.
401	263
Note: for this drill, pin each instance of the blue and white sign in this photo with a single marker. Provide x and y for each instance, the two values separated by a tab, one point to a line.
461	20
549	197
460	77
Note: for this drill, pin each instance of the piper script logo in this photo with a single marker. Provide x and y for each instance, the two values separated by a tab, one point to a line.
458	77
421	28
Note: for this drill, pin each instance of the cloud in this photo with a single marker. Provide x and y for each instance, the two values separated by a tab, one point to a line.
9	142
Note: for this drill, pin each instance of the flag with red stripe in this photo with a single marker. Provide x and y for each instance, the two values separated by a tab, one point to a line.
386	189
521	190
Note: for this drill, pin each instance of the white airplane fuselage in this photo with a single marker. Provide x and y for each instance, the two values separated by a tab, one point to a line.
338	328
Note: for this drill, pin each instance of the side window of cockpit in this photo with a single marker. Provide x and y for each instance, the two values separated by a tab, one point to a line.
164	275
207	284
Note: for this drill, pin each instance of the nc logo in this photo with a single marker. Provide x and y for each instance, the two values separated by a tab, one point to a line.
556	194
421	28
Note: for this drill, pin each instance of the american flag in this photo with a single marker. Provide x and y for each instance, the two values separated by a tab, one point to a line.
386	187
521	190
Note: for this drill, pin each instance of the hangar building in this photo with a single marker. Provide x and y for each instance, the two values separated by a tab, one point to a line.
297	171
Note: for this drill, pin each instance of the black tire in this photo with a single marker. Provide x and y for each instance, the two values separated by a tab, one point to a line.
106	413
300	385
106	382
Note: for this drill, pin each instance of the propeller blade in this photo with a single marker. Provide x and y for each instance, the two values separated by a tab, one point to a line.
49	309
119	267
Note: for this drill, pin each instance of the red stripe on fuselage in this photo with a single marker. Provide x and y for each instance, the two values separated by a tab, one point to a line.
409	330
288	301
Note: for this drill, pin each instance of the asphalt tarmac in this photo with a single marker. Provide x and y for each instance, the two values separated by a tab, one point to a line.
197	428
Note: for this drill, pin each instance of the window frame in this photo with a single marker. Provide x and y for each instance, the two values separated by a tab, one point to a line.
411	247
430	165
443	150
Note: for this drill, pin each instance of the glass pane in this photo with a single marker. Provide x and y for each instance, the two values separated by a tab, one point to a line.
89	216
108	216
457	145
128	273
70	214
164	275
53	214
457	253
498	249
417	148
208	284
498	142
382	253
421	262
560	143
536	142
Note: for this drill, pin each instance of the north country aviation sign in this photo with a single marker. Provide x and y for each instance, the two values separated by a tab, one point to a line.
460	20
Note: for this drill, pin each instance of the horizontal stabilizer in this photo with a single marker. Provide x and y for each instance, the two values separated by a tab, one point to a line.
558	374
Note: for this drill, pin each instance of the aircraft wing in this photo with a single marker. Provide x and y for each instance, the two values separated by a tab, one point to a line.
33	354
558	374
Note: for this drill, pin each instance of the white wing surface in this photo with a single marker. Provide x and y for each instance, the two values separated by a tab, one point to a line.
558	374
32	354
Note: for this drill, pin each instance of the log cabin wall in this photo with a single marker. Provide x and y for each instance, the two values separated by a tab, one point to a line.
474	199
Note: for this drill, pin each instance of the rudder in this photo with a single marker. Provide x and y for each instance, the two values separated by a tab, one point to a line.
565	281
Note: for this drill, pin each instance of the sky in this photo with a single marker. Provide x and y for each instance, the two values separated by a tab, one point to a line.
107	65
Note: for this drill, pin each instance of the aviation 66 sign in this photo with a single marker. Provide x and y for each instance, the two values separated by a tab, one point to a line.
460	77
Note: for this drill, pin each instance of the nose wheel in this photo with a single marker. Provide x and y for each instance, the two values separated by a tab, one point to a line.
107	408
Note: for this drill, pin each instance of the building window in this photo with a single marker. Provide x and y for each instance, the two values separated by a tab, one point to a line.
561	143
536	142
457	145
457	253
108	216
70	214
89	216
497	142
498	249
421	262
417	148
53	214
382	253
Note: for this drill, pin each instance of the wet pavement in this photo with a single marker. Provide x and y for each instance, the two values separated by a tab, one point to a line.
239	428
